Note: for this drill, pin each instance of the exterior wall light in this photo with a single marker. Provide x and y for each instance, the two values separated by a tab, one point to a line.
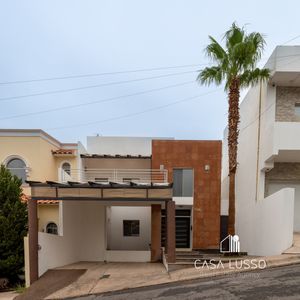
207	168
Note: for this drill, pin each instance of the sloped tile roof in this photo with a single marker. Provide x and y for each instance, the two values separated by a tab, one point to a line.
63	152
25	198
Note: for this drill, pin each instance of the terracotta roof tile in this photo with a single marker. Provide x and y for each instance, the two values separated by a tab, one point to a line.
25	198
63	151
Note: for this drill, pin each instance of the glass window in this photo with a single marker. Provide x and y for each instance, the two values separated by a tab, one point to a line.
52	228
67	168
183	182
131	227
17	167
297	109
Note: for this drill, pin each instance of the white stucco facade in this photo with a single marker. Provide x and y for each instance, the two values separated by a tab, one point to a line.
120	145
83	237
115	237
265	211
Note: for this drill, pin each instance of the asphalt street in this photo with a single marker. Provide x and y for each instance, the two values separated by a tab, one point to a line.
275	283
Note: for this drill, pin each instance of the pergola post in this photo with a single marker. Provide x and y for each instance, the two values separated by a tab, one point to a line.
33	240
155	232
170	231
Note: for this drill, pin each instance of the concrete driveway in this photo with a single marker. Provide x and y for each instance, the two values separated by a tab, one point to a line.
275	283
103	277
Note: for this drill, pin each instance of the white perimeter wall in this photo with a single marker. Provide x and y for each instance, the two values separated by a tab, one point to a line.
120	145
274	222
115	238
83	236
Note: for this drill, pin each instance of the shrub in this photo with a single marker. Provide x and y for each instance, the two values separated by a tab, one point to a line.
13	226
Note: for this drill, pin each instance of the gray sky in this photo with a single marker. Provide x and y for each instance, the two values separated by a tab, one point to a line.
46	39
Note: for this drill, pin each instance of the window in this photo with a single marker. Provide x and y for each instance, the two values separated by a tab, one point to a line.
52	228
297	109
17	167
183	182
131	227
67	168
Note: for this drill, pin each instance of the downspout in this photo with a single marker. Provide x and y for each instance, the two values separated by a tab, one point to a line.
258	143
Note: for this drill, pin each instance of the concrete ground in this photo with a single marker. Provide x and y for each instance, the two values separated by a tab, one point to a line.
273	283
108	277
51	281
100	277
8	295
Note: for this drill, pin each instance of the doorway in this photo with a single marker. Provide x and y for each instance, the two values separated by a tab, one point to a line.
182	228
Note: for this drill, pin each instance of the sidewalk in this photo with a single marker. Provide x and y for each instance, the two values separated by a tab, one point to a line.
8	295
101	277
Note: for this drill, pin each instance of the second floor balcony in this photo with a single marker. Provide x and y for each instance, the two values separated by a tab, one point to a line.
282	143
115	175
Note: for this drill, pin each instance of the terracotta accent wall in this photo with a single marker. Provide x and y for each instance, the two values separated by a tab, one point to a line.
207	184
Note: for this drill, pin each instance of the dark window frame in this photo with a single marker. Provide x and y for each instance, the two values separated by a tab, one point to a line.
131	228
19	171
52	228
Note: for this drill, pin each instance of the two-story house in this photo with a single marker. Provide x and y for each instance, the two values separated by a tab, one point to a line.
133	199
268	174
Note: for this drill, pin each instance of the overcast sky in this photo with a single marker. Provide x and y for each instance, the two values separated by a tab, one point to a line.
50	39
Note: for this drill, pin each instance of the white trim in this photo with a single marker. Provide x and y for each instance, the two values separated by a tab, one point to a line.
15	156
60	169
60	219
183	200
27	168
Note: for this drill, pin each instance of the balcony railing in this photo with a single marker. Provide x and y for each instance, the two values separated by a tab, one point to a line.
115	175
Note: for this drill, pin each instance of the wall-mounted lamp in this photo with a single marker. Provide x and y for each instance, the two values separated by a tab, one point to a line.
206	168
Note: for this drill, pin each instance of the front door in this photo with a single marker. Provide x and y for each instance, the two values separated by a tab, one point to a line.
183	228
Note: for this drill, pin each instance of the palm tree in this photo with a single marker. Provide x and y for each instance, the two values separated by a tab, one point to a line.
235	65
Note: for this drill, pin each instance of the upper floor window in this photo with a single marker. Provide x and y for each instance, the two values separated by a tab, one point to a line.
297	109
183	182
67	168
52	228
17	167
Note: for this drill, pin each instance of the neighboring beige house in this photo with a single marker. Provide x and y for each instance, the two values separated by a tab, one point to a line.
32	154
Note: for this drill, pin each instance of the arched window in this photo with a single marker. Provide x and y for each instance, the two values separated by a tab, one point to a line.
52	228
17	167
67	168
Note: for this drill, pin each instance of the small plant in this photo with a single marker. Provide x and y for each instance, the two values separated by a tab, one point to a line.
20	288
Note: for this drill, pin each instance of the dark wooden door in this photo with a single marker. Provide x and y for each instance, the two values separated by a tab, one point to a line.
183	228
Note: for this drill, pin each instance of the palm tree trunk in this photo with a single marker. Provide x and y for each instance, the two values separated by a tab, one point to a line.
233	133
